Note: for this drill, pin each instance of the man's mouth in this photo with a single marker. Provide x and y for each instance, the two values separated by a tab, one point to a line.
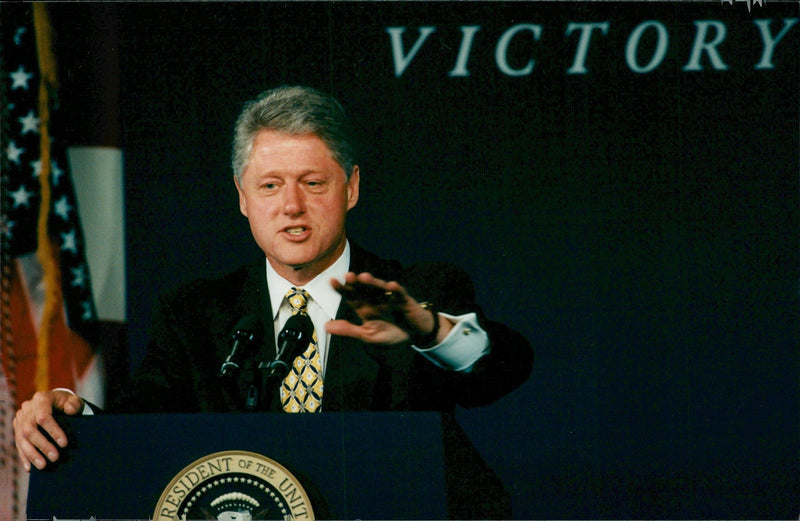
296	230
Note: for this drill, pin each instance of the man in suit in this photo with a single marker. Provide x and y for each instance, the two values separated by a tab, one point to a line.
376	344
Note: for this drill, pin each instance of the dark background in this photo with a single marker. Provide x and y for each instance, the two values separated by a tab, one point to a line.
640	229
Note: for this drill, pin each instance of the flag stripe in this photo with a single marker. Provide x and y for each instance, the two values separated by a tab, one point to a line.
100	192
20	313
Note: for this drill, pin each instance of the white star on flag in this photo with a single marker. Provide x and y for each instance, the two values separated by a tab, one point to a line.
20	79
68	242
78	276
56	172
88	312
37	167
13	152
22	197
7	229
62	207
30	123
18	35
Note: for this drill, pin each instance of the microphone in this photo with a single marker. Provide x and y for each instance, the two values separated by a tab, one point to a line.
243	337
294	337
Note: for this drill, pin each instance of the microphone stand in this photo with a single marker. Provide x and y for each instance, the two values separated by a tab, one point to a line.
253	388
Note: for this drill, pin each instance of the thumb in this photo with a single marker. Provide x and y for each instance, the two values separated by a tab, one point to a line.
67	401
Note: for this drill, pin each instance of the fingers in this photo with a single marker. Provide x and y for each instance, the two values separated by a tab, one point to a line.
370	280
67	402
343	328
33	445
29	454
371	332
365	290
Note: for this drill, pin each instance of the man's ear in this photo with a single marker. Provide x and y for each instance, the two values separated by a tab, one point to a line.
352	188
242	200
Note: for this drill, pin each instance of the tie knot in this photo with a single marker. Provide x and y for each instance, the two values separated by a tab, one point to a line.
298	300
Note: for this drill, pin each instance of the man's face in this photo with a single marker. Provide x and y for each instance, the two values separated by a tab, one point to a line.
296	196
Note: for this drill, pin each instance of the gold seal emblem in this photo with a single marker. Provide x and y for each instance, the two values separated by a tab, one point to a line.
234	486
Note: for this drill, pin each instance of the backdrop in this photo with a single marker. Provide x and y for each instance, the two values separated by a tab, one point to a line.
620	180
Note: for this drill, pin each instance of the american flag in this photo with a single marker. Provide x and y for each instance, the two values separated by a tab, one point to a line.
47	304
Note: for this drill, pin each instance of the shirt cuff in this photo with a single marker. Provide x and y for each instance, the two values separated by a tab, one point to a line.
464	345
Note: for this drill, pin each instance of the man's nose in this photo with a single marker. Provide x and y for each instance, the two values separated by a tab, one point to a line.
293	202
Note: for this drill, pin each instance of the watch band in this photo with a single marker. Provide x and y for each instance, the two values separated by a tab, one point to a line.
428	340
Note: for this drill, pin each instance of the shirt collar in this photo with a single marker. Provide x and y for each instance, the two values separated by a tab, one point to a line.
319	287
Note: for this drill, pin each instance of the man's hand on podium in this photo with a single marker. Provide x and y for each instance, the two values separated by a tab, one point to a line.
35	428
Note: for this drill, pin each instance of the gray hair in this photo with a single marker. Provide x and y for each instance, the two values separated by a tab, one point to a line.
294	110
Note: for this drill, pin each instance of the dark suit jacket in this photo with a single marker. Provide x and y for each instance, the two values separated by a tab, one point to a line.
191	334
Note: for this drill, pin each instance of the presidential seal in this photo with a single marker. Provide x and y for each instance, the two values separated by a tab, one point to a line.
234	486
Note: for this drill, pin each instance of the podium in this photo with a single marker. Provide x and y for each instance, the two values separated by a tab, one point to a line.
387	465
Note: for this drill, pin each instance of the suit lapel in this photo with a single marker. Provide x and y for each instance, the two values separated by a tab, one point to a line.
350	372
254	298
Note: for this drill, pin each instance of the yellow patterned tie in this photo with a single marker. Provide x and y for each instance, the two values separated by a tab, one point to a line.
301	390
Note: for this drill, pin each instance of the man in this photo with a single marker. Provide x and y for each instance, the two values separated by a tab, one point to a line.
374	346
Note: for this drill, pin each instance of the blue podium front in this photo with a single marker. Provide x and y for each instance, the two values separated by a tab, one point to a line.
346	465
